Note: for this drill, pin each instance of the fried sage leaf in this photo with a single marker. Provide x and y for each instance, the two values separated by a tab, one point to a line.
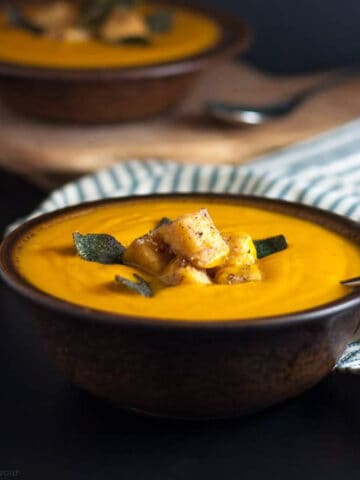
93	12
268	246
18	20
134	40
140	285
163	221
160	21
98	247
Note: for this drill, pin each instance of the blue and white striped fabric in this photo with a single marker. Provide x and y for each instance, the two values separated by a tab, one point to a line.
324	171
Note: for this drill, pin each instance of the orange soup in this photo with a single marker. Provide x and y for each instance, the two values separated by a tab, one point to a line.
303	276
192	33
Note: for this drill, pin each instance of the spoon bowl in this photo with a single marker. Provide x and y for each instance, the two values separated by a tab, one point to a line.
246	114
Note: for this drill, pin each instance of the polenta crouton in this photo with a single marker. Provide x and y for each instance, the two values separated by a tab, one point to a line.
123	23
148	253
54	16
195	237
242	250
74	35
231	275
181	272
239	265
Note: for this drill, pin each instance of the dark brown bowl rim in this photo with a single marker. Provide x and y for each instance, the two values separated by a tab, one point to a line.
236	37
333	222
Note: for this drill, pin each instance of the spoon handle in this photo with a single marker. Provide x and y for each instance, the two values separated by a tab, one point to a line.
337	78
351	282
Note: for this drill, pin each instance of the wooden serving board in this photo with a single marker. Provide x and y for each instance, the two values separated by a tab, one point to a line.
50	154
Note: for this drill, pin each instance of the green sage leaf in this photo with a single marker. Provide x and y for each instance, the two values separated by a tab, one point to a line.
268	246
94	12
133	40
98	247
160	21
140	285
163	221
18	20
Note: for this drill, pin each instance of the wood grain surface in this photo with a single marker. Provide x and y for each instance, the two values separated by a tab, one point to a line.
52	153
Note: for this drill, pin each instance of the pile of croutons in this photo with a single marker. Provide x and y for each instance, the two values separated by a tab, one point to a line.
75	22
58	20
191	250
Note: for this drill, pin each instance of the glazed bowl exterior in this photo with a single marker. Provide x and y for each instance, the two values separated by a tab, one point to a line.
191	369
108	95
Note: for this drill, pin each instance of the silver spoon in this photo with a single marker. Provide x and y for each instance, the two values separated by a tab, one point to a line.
351	282
243	114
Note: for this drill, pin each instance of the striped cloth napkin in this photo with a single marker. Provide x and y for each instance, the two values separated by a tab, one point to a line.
323	171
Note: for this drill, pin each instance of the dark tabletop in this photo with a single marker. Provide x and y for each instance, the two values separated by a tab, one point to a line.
51	430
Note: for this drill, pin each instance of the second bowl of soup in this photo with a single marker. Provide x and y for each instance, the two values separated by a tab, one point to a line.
70	61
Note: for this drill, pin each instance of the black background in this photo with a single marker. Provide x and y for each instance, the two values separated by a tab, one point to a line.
305	35
50	430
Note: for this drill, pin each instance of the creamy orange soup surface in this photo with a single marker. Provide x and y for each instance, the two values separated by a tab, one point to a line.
192	33
303	276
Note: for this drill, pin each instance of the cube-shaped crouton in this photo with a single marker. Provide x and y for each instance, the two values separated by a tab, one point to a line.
74	35
54	16
231	274
242	250
195	237
123	23
180	272
148	253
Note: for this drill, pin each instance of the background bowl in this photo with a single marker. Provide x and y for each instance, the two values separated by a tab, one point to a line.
119	94
191	369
